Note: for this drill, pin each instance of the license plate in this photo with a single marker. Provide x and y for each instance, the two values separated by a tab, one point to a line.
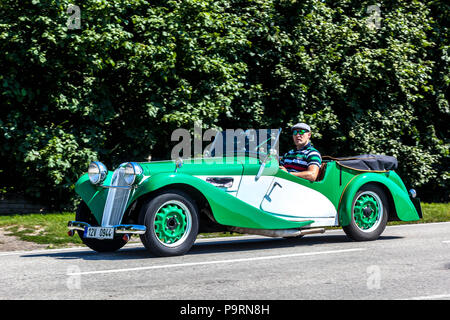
99	232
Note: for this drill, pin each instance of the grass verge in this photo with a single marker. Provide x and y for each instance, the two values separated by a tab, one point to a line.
51	228
432	212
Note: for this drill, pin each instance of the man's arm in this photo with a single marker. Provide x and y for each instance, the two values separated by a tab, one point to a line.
310	174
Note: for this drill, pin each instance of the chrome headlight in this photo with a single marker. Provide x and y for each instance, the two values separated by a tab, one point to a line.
132	173
97	172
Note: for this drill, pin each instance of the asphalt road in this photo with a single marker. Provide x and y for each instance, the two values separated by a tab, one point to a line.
407	262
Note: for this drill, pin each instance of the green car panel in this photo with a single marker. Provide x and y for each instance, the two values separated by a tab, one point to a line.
93	196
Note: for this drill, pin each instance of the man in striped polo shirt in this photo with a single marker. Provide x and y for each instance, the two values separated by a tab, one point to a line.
304	161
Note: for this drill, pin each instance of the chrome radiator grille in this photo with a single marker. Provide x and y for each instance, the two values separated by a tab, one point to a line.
116	201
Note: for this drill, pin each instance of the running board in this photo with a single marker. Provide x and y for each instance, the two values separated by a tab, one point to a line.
276	233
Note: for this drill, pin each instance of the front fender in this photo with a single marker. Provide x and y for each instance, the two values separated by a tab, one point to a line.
391	181
93	196
227	209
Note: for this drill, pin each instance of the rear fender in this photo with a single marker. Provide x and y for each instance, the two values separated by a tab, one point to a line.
391	183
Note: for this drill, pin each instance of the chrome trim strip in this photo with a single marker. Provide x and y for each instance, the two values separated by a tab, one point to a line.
130	228
118	187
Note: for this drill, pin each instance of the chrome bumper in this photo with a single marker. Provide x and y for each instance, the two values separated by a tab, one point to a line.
118	229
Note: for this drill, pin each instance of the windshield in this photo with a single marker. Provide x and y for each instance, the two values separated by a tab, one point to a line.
252	143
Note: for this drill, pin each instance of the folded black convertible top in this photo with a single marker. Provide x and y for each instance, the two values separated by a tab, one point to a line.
367	162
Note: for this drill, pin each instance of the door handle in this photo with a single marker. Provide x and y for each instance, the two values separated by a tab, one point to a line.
267	196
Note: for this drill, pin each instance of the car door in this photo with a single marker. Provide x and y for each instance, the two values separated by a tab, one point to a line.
253	189
294	201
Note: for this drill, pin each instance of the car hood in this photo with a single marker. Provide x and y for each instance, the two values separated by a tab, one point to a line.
203	166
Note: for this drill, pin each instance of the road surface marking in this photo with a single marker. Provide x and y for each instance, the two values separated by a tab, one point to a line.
189	264
438	296
49	251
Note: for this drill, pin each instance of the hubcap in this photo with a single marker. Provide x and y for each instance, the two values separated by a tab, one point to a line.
368	211
172	223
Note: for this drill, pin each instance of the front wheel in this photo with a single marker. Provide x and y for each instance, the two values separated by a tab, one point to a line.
370	209
171	219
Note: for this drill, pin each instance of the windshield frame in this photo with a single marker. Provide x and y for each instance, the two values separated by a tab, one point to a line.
254	143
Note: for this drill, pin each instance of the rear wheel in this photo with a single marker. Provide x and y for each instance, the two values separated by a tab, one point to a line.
370	209
171	219
84	214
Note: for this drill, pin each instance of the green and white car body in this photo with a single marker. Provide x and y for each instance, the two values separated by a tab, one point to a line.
169	202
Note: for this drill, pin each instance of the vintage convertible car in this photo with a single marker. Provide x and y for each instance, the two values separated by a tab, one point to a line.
240	189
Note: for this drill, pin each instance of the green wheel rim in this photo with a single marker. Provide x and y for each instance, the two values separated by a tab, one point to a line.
368	211
172	223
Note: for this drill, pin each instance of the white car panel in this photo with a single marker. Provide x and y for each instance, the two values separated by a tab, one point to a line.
252	191
291	201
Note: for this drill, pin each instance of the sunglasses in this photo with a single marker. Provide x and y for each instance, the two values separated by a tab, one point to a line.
296	132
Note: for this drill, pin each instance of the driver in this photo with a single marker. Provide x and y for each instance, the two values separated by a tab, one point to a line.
304	161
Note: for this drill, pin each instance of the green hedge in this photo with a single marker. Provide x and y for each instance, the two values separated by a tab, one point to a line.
116	88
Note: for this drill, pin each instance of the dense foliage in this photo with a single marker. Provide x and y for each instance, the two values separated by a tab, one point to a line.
135	70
